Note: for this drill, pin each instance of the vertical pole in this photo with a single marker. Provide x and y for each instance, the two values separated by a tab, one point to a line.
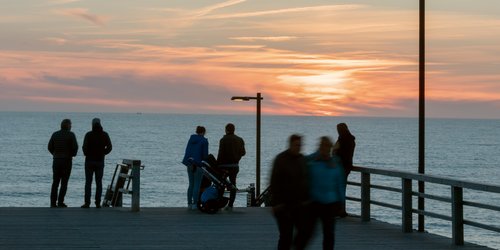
257	143
457	218
136	185
365	196
421	113
407	206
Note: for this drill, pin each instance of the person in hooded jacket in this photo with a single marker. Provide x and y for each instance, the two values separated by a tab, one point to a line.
96	145
196	151
344	148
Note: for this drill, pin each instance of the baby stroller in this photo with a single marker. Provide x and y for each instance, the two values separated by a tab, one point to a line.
214	183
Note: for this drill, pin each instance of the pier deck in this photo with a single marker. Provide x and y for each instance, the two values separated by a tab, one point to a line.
179	228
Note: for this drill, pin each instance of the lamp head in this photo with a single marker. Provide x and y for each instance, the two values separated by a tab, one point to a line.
240	98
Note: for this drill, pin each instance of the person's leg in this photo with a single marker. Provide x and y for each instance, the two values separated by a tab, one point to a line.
305	220
285	228
198	175
342	211
56	179
232	174
66	173
99	172
89	172
328	222
190	187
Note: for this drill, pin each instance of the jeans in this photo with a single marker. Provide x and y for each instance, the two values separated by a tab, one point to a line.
326	214
195	175
232	172
61	170
91	168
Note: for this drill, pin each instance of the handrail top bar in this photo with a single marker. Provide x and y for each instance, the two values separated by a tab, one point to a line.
430	179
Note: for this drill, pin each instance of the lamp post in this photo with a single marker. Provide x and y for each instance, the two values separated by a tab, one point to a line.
421	116
258	98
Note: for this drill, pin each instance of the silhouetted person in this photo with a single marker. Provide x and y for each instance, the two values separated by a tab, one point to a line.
326	188
344	148
289	195
96	145
196	151
63	147
231	149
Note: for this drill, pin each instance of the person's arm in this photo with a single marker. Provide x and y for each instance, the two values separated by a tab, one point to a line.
75	145
220	153
50	146
85	144
275	184
242	150
205	150
109	146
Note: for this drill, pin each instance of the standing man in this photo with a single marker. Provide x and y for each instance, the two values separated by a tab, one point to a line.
96	145
231	149
290	194
63	147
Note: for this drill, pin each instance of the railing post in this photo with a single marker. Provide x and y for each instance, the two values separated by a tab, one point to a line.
407	206
365	197
457	219
136	185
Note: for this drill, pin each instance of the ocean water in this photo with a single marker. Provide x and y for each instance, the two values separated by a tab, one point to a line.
455	148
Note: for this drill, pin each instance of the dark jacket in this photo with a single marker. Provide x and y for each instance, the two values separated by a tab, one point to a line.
231	149
63	145
346	151
96	144
197	148
289	180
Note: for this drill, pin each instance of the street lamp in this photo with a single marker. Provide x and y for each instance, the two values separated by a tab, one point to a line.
258	98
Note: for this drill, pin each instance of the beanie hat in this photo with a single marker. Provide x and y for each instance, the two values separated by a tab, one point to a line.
96	121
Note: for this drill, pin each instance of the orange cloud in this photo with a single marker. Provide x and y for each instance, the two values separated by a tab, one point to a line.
340	60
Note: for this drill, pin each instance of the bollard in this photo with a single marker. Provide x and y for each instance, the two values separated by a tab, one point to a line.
136	183
251	195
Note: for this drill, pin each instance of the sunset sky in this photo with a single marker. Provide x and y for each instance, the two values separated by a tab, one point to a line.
307	57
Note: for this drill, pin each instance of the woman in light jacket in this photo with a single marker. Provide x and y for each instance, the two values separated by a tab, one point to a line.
327	187
196	151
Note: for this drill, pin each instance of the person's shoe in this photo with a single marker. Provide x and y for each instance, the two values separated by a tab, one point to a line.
229	209
194	207
53	205
62	205
98	205
86	205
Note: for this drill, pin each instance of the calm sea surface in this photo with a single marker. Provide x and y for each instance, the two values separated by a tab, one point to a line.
460	149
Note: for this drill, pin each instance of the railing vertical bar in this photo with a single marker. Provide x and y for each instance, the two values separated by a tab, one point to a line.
457	210
136	185
365	197
406	199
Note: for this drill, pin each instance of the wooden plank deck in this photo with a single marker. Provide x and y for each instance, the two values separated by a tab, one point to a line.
179	228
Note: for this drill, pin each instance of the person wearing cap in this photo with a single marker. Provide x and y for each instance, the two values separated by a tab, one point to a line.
63	147
96	145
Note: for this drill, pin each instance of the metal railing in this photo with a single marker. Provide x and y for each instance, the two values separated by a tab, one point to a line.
455	199
126	172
